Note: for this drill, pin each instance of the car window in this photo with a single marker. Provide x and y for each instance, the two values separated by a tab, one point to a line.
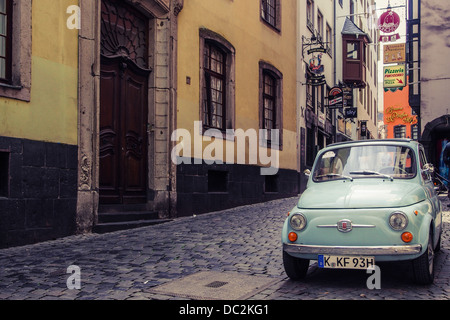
370	161
423	161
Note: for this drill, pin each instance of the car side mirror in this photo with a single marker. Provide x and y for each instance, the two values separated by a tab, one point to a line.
428	168
307	172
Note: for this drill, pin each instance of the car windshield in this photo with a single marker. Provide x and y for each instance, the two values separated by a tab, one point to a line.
370	161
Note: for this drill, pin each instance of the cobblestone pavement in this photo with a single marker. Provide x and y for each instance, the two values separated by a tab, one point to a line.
127	264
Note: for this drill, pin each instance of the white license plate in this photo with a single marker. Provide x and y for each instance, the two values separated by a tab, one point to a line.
345	262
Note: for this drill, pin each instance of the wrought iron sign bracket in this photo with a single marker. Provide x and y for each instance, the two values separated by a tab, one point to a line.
310	42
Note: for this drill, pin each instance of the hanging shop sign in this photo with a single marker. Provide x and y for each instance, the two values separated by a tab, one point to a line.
389	21
316	68
394	76
335	98
389	38
350	113
315	64
348	96
394	53
319	49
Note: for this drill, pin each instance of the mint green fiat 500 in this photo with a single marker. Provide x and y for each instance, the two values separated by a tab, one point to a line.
366	202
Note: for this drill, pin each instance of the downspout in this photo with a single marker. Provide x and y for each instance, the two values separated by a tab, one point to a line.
334	67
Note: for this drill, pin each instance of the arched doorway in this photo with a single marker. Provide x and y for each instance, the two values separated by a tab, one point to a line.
433	137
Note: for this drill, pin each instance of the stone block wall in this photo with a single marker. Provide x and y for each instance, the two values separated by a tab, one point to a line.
38	183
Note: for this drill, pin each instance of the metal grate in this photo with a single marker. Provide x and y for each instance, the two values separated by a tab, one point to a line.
216	284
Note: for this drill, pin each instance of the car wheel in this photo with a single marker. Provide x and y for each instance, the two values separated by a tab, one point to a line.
295	268
424	265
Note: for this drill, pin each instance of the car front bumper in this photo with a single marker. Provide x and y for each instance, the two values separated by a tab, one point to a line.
353	250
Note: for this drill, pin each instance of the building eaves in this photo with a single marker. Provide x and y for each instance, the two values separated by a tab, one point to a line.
350	28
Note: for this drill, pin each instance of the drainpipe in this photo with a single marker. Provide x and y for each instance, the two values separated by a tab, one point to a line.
334	66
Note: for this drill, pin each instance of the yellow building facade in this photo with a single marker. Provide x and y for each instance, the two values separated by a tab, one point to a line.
38	121
236	84
191	110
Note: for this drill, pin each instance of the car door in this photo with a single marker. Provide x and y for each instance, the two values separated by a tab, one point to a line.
431	192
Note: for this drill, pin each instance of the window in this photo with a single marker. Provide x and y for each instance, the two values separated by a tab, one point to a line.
415	132
366	162
217	181
268	11
320	25
5	40
15	49
329	40
271	183
310	15
353	50
4	174
271	13
423	161
217	101
214	87
400	131
271	103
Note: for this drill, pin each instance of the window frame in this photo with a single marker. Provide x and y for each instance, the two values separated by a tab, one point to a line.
8	42
310	15
208	36
19	86
266	69
400	131
209	74
276	23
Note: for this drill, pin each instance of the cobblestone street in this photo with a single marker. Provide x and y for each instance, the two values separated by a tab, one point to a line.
243	241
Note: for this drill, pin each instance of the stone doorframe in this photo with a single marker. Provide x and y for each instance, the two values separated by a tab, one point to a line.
426	137
162	108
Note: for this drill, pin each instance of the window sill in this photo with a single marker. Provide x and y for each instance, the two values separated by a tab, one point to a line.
10	86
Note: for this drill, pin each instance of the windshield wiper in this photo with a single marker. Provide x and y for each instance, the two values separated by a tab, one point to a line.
370	172
335	175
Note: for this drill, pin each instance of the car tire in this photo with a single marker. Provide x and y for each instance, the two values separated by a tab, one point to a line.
423	266
295	268
438	245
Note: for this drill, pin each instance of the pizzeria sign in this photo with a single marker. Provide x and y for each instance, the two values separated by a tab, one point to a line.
394	76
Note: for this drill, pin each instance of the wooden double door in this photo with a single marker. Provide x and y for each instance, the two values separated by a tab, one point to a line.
123	172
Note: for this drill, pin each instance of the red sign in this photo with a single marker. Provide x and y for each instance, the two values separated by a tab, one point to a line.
388	21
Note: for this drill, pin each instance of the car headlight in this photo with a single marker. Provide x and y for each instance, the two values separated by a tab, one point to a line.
298	221
398	220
